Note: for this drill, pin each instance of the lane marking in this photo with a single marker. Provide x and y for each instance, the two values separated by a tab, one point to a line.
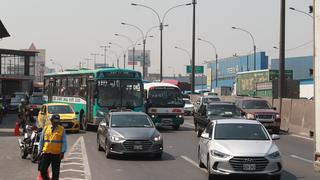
302	137
85	160
301	158
70	178
73	158
193	163
72	170
71	163
189	124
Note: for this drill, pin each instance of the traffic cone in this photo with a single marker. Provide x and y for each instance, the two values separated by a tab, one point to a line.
16	130
39	177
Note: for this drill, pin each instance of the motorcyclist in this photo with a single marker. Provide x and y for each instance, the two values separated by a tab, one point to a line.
23	114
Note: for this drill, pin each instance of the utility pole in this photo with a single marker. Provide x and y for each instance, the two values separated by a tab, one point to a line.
316	56
194	3
281	80
105	54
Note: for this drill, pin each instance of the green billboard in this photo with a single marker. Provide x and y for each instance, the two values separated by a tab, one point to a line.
198	69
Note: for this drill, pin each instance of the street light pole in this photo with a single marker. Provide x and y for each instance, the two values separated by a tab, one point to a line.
190	59
254	45
105	54
216	55
124	53
133	47
95	59
161	21
194	2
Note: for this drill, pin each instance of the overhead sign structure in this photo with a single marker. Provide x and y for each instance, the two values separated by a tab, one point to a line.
198	69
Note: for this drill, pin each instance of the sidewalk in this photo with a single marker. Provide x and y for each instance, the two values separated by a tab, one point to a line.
8	124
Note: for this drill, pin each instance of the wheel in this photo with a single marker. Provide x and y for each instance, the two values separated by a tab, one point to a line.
107	151
98	144
275	177
276	131
34	155
210	176
199	132
176	127
23	153
157	155
200	163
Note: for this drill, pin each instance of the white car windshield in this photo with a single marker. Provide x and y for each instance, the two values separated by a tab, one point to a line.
240	132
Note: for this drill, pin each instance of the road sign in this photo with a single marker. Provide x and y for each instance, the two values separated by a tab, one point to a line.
198	69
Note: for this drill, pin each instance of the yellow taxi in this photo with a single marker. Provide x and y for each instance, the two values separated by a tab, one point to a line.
68	118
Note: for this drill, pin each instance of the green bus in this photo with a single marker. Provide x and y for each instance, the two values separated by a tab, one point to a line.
93	93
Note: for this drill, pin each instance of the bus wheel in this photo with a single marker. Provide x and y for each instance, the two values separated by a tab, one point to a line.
176	127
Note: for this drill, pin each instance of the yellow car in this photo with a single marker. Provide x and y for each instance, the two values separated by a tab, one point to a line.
68	117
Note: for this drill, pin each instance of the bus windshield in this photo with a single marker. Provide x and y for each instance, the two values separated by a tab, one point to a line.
119	93
168	97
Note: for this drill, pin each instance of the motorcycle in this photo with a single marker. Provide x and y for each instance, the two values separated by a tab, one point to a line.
29	144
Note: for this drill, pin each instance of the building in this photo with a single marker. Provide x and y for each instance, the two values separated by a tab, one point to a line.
17	71
229	67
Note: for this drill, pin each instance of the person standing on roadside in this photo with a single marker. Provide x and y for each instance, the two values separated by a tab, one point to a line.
52	146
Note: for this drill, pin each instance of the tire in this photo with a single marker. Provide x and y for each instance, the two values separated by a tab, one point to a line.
210	176
200	163
98	144
157	156
176	127
275	177
107	151
23	153
199	132
34	155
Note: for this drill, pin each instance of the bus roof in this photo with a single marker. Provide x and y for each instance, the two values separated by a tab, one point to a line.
149	85
86	71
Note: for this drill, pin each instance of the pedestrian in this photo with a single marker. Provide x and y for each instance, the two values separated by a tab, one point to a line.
52	146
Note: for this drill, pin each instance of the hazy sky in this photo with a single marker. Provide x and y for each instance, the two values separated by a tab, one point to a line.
70	30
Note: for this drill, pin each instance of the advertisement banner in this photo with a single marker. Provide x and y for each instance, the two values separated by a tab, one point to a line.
138	54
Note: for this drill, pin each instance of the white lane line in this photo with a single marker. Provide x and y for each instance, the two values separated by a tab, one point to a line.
302	159
85	160
75	153
193	163
72	170
294	135
73	158
189	124
71	163
67	178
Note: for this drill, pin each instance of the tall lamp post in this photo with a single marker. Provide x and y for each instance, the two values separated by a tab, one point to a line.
61	68
95	58
133	47
123	51
190	59
215	51
161	21
105	54
144	46
116	55
254	45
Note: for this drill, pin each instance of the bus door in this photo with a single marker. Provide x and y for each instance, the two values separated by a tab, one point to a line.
90	100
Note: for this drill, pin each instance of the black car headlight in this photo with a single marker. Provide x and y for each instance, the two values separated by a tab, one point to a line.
274	155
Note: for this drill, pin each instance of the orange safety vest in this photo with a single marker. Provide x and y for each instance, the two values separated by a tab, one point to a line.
52	140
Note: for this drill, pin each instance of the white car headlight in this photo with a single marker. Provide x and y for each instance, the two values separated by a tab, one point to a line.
278	116
274	155
116	138
219	154
157	138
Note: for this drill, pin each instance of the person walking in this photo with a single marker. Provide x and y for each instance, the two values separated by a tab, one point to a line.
52	146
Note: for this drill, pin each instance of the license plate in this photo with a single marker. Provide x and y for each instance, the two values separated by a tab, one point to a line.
166	121
249	167
137	147
64	124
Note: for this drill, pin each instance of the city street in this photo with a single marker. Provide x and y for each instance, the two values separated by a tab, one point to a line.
83	161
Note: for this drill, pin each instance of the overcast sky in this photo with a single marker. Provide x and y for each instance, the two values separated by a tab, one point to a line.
70	30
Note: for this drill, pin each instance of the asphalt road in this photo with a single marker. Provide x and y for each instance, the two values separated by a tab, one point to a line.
83	161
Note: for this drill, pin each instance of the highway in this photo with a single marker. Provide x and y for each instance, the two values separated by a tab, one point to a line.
84	161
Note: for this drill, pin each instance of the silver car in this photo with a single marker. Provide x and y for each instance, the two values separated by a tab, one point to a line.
238	146
129	133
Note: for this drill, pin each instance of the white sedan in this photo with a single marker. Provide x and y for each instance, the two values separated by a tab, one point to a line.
237	146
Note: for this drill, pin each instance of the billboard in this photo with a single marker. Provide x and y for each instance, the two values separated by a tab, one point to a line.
138	54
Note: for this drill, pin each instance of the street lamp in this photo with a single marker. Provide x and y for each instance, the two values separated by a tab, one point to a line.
190	59
133	47
215	50
297	10
116	55
94	58
161	21
123	51
254	45
61	68
105	54
144	46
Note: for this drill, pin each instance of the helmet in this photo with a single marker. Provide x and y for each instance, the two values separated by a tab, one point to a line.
55	118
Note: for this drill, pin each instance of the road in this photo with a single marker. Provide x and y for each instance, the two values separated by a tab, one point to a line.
83	161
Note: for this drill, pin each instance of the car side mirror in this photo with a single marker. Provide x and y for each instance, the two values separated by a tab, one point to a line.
275	137
205	135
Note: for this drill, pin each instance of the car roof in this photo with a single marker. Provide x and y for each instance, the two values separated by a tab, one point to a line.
127	113
236	121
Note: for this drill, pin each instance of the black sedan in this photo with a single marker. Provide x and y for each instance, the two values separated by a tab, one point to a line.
129	133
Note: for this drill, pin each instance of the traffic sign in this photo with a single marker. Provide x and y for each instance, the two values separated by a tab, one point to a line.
198	69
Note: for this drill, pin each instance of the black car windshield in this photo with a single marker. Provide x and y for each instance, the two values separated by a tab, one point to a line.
207	100
121	121
116	93
36	100
60	109
223	110
240	132
254	104
168	97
